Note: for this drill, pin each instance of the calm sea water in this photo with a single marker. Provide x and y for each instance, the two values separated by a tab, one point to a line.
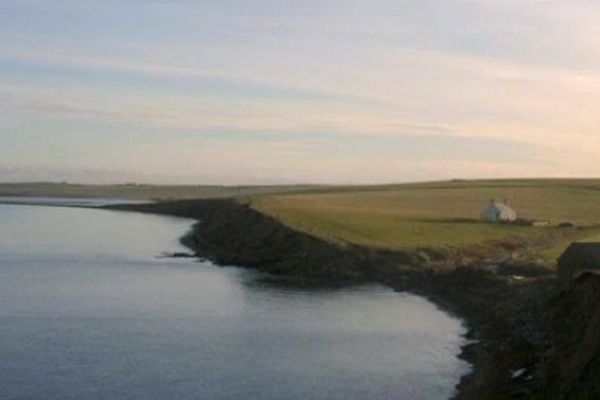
88	311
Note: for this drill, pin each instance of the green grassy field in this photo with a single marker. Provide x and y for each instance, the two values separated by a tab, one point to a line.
434	214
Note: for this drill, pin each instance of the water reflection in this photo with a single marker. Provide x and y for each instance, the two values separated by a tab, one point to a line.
88	311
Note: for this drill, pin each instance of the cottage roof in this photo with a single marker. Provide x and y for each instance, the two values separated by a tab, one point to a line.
502	207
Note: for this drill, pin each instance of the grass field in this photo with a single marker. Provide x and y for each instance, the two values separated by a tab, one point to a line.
594	238
433	214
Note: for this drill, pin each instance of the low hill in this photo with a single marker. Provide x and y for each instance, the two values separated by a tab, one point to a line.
146	192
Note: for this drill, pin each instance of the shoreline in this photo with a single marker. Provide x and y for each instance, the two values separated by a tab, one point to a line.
235	234
516	332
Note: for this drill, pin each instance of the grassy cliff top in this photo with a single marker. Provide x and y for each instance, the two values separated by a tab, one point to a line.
436	213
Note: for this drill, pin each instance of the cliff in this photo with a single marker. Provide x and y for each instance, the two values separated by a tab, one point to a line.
231	233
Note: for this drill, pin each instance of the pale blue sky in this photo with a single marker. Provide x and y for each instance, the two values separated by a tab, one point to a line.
340	91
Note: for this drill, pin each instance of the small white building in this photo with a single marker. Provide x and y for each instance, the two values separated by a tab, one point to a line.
498	211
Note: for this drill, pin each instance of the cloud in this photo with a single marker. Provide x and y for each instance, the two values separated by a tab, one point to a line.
215	80
275	83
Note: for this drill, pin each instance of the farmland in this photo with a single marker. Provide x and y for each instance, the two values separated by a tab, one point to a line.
435	214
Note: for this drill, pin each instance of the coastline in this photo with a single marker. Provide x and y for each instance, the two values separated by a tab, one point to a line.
235	234
516	332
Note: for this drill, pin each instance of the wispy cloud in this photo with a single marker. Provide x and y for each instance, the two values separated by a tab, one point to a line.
274	87
218	81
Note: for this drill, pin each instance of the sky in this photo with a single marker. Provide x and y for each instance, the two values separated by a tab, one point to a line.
290	91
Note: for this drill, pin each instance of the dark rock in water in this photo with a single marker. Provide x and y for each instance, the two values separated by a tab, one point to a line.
181	255
577	258
176	255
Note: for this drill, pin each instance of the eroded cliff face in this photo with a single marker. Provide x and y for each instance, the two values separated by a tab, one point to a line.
573	361
234	233
231	233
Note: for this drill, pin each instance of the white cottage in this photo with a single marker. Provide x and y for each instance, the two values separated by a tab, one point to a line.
498	211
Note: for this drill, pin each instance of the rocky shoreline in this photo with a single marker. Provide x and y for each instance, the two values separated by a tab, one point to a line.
511	311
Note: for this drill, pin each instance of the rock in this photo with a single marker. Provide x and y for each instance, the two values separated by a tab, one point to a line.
567	224
176	255
577	258
573	360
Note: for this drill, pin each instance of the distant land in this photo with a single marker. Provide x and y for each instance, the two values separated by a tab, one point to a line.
413	215
144	191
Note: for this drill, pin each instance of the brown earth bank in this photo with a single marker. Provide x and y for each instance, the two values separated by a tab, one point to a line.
528	338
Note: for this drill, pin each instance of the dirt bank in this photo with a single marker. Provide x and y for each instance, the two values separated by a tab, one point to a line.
517	343
231	233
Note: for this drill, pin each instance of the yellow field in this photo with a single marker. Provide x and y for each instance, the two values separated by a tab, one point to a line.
593	238
433	214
